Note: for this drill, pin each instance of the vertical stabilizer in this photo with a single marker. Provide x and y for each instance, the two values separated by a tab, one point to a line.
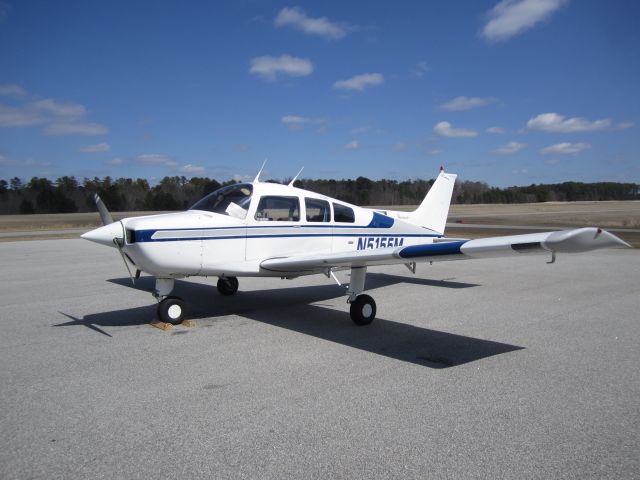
432	212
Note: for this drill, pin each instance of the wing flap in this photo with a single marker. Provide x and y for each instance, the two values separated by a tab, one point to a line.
360	258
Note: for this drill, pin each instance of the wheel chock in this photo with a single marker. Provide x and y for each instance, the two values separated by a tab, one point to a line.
161	325
188	323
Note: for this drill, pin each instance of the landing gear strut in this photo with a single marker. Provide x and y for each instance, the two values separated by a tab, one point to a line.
363	307
227	285
170	309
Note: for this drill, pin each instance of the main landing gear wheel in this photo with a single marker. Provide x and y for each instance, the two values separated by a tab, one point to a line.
171	310
363	310
227	285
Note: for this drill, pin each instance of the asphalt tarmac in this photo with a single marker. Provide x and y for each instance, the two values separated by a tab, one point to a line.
507	368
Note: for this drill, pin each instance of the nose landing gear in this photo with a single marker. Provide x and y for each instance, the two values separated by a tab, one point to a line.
171	309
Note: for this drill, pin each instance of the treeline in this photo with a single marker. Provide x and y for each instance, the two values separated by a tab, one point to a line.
68	195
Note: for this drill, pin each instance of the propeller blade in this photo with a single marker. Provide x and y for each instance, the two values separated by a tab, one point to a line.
105	216
124	259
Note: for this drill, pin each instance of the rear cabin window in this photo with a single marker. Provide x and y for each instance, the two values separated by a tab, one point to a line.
343	214
278	209
317	210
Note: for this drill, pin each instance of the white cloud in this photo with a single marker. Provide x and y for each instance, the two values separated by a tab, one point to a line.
12	90
352	145
58	109
296	121
496	130
360	82
435	151
191	169
9	162
565	148
400	146
420	69
321	26
446	130
624	125
269	67
510	148
552	122
116	162
512	17
466	103
75	128
98	148
59	118
156	159
16	117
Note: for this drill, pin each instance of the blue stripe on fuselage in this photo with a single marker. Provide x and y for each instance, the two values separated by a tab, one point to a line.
146	236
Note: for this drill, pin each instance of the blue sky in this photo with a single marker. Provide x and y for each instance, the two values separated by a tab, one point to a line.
509	92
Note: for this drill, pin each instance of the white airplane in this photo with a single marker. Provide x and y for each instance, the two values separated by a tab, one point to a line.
264	229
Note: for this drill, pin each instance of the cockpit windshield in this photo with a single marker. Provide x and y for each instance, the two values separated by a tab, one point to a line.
232	200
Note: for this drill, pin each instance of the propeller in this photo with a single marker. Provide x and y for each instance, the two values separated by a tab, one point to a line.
105	216
110	232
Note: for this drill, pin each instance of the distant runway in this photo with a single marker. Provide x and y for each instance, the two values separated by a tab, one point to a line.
506	368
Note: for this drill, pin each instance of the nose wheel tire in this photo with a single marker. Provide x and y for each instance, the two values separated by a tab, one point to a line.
227	285
363	310
171	310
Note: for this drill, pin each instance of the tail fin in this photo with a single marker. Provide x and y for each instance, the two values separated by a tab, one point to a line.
432	212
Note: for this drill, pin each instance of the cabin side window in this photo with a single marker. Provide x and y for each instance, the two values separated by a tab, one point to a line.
343	214
278	209
317	210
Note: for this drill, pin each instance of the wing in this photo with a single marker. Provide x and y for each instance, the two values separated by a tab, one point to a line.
566	241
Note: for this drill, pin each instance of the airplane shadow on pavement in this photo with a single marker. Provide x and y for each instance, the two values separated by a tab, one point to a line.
299	309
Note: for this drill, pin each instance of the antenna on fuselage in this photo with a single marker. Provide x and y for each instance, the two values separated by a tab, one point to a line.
295	178
257	179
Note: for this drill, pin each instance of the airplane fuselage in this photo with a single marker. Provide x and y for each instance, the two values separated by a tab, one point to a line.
279	221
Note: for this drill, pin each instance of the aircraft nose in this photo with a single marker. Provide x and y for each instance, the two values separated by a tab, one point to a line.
105	235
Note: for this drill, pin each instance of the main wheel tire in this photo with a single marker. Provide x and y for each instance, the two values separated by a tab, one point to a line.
227	285
363	310
171	310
